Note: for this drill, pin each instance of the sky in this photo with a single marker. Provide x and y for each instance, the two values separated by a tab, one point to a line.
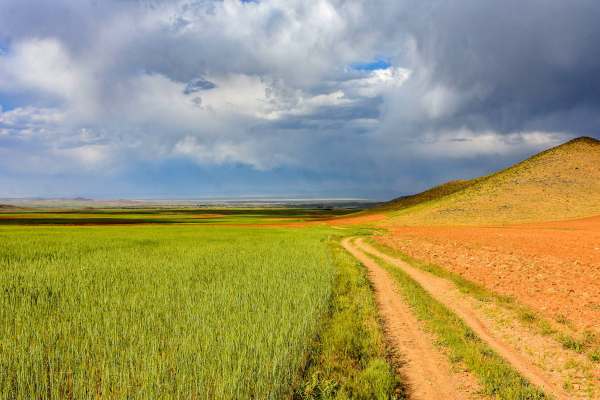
321	98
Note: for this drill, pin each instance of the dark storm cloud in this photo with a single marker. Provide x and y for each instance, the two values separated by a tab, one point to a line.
510	65
197	85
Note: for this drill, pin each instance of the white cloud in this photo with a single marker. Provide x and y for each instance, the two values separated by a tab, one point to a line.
465	144
378	82
44	66
223	152
30	122
264	60
40	64
90	156
439	101
219	153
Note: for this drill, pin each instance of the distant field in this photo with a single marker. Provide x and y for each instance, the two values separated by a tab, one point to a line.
158	312
116	216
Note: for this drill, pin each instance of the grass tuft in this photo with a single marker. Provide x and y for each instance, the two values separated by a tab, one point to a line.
570	343
349	359
595	355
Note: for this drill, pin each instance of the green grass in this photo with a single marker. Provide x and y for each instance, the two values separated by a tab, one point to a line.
349	360
584	342
497	378
570	343
594	355
162	311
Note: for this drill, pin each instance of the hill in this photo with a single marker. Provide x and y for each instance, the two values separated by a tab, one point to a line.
560	183
434	193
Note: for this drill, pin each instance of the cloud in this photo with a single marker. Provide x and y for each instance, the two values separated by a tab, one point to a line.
40	64
377	82
197	85
355	98
29	122
466	144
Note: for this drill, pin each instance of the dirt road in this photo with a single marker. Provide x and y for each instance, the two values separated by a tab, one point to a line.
552	267
446	293
425	369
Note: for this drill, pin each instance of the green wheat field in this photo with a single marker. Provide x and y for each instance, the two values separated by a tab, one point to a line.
182	311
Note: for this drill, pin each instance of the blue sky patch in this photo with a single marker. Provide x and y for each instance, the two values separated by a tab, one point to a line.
378	63
4	45
12	101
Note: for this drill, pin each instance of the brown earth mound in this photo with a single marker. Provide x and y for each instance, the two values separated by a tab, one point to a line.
560	183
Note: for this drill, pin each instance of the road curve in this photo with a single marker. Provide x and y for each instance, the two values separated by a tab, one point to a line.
446	293
424	369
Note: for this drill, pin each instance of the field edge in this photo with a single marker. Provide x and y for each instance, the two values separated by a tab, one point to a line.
349	357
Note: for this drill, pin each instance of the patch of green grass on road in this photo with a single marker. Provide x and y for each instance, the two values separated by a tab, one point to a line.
496	377
464	285
580	342
349	360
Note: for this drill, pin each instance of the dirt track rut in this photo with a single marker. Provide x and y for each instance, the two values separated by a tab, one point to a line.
446	293
424	368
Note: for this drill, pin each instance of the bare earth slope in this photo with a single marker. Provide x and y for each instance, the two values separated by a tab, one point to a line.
560	183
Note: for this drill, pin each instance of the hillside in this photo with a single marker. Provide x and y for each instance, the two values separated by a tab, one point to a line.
560	183
434	193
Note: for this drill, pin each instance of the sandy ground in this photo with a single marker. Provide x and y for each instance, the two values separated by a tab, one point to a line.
424	368
552	267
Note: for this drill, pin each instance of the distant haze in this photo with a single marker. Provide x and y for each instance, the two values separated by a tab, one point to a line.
240	202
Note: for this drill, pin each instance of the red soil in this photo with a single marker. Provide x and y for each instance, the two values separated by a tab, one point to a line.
553	267
204	216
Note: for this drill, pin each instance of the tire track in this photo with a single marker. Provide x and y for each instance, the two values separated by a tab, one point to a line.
446	293
425	369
